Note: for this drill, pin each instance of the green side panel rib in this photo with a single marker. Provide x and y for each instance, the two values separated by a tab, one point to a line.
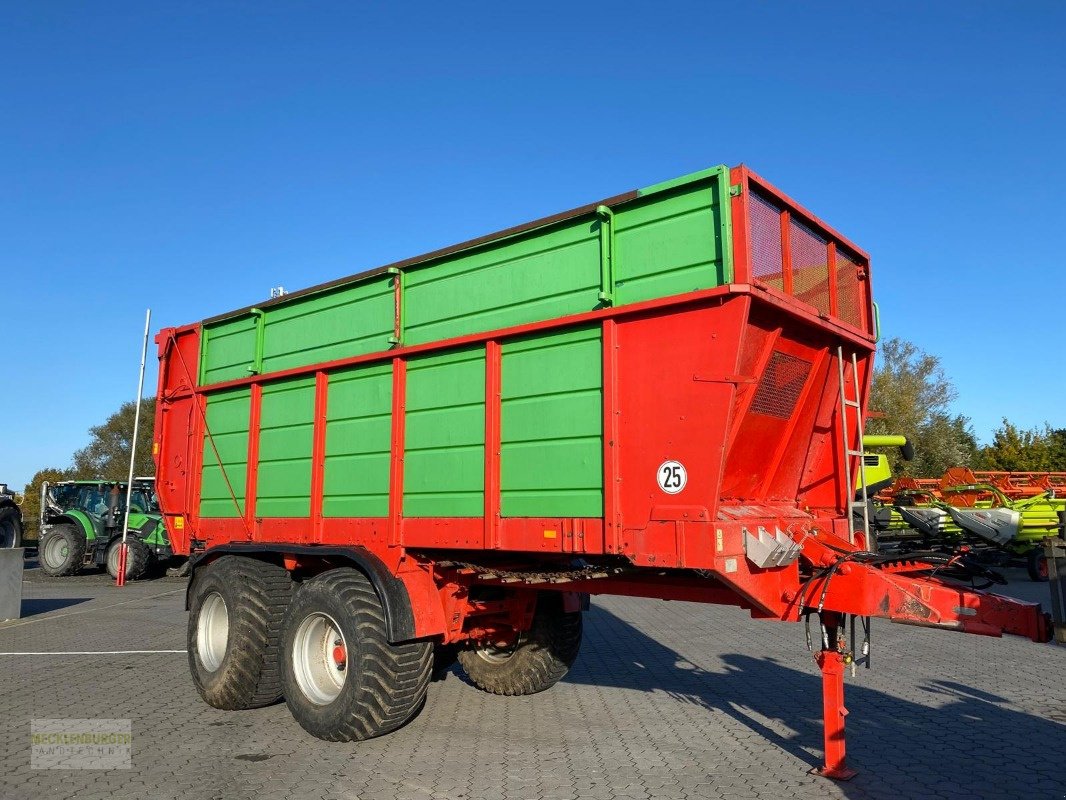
227	421
552	426
349	321
358	442
444	460
286	436
229	350
544	274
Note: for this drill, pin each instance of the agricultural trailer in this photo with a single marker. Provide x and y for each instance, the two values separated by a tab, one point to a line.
82	523
10	519
656	395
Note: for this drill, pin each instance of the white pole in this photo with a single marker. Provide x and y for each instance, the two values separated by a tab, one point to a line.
121	577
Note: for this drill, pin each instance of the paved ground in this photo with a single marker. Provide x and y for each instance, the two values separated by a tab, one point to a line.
668	700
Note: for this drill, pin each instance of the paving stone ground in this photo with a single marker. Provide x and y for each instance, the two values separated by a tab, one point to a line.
667	700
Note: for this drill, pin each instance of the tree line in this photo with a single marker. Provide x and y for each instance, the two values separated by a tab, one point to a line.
912	395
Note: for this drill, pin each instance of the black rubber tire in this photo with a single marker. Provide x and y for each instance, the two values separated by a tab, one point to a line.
10	527
256	594
138	558
540	659
384	684
1036	564
68	564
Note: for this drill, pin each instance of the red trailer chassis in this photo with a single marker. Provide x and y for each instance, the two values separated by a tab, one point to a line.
754	413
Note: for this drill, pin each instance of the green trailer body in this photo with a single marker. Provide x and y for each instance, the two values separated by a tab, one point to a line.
666	240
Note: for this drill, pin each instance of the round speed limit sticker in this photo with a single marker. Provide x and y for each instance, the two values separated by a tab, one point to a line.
672	476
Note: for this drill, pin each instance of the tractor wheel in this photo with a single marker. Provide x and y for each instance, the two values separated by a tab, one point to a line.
1036	563
138	558
10	527
61	551
537	661
343	680
236	605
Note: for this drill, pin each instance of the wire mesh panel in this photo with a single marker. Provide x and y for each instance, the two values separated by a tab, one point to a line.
849	289
766	241
810	268
781	384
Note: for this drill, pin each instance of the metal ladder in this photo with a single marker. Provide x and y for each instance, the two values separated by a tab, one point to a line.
850	452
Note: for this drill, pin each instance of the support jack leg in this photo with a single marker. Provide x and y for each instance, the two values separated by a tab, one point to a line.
833	714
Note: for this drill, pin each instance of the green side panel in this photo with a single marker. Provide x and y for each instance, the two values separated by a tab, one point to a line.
444	460
358	442
541	275
552	426
286	437
229	350
348	321
674	239
227	420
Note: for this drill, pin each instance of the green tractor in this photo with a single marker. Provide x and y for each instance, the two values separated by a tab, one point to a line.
82	522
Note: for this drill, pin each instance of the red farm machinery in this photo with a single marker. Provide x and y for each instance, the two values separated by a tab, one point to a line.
657	395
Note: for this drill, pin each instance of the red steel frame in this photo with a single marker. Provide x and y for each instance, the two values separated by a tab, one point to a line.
704	537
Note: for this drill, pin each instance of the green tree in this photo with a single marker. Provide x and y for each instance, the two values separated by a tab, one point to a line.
914	396
31	503
108	453
1016	450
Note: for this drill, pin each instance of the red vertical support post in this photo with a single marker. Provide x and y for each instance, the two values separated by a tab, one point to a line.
399	410
612	524
493	389
199	431
739	191
831	269
831	661
318	453
251	480
786	252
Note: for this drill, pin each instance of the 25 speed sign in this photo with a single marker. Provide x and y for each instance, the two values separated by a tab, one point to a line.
672	476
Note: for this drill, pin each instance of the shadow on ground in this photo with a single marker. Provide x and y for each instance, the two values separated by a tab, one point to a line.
960	739
42	605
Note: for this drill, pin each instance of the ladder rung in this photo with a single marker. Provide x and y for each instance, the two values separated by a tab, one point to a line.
851	403
855	452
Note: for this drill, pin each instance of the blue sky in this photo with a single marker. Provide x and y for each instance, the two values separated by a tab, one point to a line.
189	156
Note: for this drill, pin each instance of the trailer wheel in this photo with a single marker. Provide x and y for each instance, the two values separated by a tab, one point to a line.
236	605
343	680
137	558
537	661
61	550
1036	563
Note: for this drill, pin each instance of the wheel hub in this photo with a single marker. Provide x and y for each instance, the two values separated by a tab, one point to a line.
320	658
212	631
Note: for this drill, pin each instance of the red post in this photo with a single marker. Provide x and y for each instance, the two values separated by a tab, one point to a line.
318	453
251	478
399	412
832	665
493	447
120	579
